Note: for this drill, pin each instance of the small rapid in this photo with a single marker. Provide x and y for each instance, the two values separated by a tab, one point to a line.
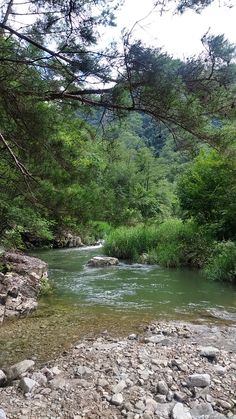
90	300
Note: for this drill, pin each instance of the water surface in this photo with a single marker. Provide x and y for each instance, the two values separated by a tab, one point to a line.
88	300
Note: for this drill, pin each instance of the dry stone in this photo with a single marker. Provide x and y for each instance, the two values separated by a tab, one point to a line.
20	368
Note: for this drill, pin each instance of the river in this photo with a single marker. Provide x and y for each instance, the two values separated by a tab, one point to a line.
118	299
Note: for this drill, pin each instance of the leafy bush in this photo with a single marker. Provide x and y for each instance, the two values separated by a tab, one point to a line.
222	264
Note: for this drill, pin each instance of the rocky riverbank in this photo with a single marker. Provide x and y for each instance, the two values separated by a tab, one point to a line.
171	370
20	282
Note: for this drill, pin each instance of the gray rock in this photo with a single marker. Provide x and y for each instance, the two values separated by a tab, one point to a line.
58	382
40	378
219	370
223	403
55	370
217	415
27	384
160	398
102	382
202	409
133	336
179	396
160	339
102	261
140	405
83	371
147	415
164	410
15	371
117	399
180	412
2	414
151	404
209	352
162	387
119	387
199	380
3	378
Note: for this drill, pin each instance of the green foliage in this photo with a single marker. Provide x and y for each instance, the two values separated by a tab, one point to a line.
182	244
93	231
222	263
45	287
207	192
130	243
173	243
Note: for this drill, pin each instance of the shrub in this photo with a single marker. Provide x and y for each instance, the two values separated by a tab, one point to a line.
222	264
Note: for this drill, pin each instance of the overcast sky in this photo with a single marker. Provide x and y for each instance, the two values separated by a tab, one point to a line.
178	35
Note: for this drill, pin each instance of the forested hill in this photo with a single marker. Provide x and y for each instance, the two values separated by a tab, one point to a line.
158	144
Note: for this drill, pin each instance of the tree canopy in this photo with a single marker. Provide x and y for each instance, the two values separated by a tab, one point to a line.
66	158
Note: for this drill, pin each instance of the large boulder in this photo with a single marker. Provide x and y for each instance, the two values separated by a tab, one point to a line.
102	261
20	282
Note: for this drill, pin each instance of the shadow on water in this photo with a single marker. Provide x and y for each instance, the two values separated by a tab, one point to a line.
88	301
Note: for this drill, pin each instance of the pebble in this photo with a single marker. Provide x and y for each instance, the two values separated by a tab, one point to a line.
201	409
2	414
199	380
119	387
162	387
117	399
181	412
131	378
209	352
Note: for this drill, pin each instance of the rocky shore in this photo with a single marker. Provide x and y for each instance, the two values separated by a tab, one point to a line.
171	370
20	283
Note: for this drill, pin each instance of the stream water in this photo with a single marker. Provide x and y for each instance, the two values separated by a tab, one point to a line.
118	299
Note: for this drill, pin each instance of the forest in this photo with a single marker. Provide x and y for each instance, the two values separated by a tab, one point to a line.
133	146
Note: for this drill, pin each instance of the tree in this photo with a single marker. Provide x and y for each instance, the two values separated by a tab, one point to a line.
207	192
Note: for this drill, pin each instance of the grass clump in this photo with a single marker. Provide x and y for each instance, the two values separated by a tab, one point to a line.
173	243
130	243
222	263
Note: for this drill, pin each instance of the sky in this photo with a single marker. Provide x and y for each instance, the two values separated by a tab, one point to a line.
179	35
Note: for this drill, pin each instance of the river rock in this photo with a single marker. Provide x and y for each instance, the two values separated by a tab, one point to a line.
27	384
209	352
202	409
117	399
15	371
162	387
2	414
40	378
180	412
102	261
119	387
199	380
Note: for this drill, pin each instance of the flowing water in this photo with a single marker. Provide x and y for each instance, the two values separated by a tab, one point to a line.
89	300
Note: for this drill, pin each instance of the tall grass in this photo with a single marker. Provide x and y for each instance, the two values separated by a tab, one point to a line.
173	243
131	242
